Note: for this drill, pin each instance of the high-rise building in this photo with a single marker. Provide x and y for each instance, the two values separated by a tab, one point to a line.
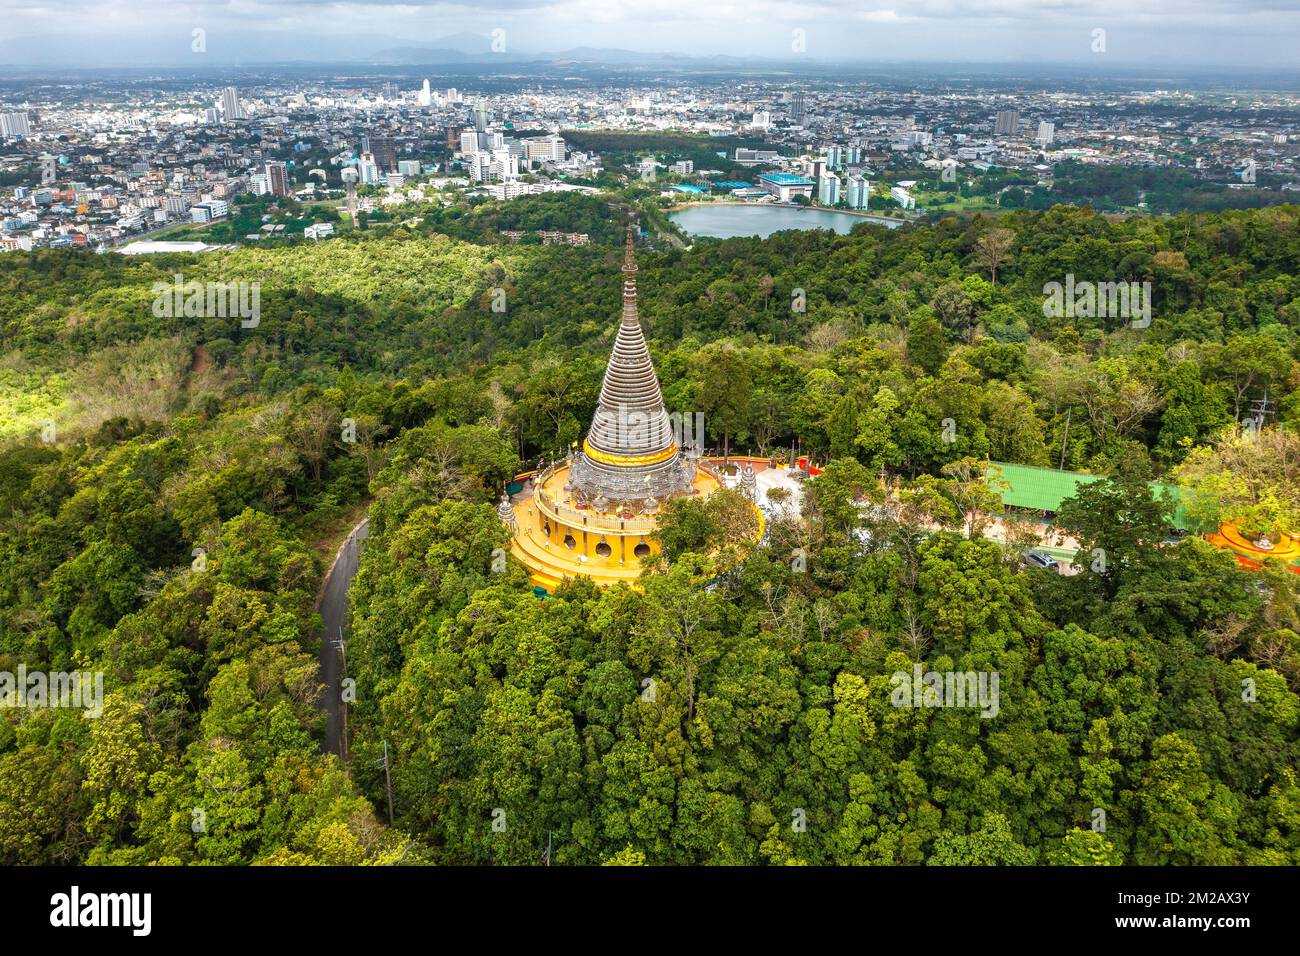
277	179
762	120
797	109
479	166
471	142
14	125
1008	121
480	118
231	109
368	169
501	166
828	190
49	169
426	95
550	148
1046	133
384	150
857	193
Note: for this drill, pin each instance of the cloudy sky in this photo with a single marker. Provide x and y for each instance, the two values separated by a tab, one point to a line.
1180	33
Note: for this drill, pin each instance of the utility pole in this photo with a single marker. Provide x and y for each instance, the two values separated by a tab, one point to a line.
1260	410
1066	440
341	646
546	857
388	783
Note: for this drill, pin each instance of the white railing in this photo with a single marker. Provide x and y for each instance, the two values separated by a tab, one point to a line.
582	518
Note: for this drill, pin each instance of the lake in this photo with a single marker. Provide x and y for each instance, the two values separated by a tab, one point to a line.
727	222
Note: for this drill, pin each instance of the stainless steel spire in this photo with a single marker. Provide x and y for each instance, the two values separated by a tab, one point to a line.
631	453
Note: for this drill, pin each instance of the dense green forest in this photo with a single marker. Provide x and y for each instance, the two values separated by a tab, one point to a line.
1163	190
619	148
171	488
484	221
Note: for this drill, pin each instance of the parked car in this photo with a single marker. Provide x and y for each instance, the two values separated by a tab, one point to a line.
1039	559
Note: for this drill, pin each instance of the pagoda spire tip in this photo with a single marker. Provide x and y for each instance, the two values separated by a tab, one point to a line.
629	255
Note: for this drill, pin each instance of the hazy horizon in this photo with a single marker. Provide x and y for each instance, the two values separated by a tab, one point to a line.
1195	35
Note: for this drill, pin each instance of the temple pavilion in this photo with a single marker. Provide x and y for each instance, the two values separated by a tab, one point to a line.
593	513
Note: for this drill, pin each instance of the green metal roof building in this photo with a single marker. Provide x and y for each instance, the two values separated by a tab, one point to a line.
1043	489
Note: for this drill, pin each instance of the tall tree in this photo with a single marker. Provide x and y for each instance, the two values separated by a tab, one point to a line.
992	249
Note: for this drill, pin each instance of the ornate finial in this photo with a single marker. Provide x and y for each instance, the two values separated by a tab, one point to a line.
629	255
629	281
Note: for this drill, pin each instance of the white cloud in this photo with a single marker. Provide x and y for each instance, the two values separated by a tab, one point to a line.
1249	32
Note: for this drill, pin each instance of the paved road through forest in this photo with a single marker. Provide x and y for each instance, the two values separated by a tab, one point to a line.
333	608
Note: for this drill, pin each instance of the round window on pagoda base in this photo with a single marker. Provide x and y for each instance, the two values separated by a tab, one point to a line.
642	550
570	542
603	550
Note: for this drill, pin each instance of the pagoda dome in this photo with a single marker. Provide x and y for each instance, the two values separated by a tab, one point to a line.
630	451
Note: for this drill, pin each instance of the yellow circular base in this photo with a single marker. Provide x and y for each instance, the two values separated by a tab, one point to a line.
555	539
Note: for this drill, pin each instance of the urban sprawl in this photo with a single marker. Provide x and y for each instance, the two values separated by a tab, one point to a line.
90	166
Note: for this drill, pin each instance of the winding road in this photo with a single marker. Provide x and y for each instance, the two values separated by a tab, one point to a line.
333	606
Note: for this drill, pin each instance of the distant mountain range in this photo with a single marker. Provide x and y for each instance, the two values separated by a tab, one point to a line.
250	49
254	49
420	56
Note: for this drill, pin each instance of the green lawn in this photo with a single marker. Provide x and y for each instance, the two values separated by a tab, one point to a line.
952	202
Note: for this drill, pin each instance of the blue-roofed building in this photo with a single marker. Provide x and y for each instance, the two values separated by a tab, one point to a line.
731	184
785	186
693	190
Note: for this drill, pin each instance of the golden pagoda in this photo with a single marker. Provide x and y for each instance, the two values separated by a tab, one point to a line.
593	514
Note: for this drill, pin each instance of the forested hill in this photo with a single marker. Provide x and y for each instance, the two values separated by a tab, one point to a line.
168	486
